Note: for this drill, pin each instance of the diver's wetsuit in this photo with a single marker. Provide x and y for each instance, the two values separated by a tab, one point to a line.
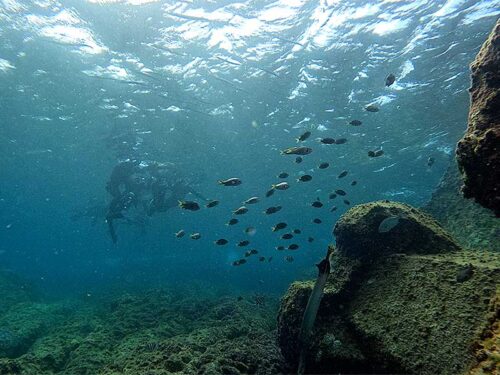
131	180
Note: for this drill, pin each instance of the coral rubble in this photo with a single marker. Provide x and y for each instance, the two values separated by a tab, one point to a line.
158	332
478	152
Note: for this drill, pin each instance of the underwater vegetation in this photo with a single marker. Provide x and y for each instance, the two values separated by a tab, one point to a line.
154	332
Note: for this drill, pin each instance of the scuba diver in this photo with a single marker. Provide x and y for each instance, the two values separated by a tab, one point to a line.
149	187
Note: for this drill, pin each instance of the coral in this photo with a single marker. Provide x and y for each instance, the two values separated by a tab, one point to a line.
478	152
154	332
472	225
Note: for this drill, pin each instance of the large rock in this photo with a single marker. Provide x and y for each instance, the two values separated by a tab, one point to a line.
478	152
472	225
411	301
358	231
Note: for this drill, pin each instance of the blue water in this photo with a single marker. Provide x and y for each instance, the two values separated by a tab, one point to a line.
218	88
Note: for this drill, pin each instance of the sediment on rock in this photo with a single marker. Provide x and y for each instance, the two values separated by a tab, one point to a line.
416	304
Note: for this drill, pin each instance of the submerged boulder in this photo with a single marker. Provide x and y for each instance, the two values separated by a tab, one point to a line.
478	152
383	227
408	300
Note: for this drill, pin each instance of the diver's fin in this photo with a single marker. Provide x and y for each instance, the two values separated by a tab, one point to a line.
112	232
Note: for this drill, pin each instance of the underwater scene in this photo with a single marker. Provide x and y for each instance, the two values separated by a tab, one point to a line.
249	187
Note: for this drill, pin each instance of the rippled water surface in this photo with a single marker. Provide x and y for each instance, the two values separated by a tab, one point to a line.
218	88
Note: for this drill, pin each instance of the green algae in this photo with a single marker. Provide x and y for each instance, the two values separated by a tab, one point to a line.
154	332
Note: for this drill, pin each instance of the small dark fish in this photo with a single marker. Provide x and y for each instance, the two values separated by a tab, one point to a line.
332	196
298	160
254	251
347	202
355	123
297	231
269	193
279	226
189	205
232	222
305	178
250	231
240	298
280	186
287	236
280	248
289	258
297	151
230	182
293	246
327	141
334	208
221	241
239	262
376	153
354	183
269	259
248	253
340	192
342	174
240	211
390	79
317	204
283	175
304	136
212	203
324	165
272	210
180	233
252	200
310	239
243	243
262	259
195	236
340	141
371	108
430	162
317	221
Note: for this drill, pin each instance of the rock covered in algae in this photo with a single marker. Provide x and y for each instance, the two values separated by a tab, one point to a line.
402	311
358	231
472	225
157	332
478	152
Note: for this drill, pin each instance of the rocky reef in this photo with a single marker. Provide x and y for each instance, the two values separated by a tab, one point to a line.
472	225
156	332
478	152
404	300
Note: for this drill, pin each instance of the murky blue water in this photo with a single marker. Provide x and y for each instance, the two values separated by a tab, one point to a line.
218	88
